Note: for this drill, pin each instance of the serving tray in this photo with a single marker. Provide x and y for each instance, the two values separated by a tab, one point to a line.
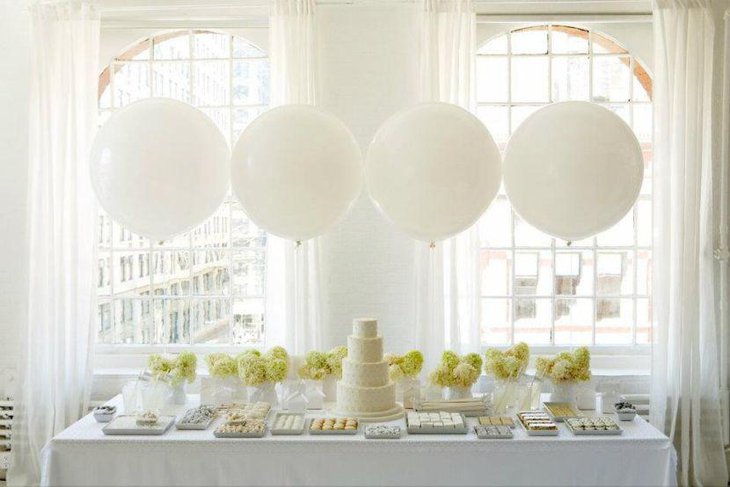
437	430
595	432
371	434
332	432
560	419
194	426
482	433
127	425
240	435
287	431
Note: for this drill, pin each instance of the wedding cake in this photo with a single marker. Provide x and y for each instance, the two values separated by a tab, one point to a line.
365	390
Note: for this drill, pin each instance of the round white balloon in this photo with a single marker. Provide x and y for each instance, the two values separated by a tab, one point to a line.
159	167
573	169
296	170
432	170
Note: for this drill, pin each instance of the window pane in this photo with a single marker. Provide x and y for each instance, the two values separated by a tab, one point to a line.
614	273
171	80
530	41
210	272
644	273
171	273
496	321
614	318
573	273
244	232
573	321
533	320
530	79
104	322
492	73
210	321
643	124
496	268
495	227
133	321
248	321
175	47
243	49
209	45
528	236
569	40
211	85
172	320
643	224
621	234
248	273
131	82
611	78
533	273
570	78
251	82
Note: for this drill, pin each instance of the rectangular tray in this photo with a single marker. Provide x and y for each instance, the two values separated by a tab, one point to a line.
375	436
597	432
530	432
283	431
477	430
332	432
560	419
437	431
127	425
194	426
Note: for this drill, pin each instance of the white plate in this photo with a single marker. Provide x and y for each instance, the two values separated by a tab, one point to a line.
438	430
194	426
332	432
284	431
127	425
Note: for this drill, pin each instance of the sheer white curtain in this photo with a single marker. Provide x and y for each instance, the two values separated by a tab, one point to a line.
292	270
55	369
685	376
448	304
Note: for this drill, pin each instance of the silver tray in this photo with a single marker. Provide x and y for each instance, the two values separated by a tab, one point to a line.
617	432
380	436
417	430
127	425
284	431
332	432
194	426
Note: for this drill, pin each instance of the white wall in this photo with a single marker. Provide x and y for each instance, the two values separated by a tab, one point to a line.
14	81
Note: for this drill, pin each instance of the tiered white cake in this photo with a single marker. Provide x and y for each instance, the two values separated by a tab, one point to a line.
365	390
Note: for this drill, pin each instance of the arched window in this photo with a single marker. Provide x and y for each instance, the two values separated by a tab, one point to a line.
205	286
535	288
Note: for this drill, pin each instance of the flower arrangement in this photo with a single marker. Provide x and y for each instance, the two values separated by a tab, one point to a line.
221	365
457	371
318	365
566	366
408	365
507	365
255	368
178	369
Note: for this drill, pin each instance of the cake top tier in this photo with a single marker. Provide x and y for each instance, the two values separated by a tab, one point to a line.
365	327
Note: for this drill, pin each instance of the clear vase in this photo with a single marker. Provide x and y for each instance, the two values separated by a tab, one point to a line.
564	392
408	392
265	392
315	394
179	398
457	392
506	396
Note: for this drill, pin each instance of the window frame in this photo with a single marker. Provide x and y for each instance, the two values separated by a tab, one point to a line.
125	247
637	73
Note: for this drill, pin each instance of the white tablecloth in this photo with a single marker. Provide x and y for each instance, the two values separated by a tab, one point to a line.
82	455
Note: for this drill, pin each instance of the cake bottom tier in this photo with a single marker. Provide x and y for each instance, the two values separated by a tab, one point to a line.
365	400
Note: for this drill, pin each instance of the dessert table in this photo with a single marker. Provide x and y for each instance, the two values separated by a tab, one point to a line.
83	455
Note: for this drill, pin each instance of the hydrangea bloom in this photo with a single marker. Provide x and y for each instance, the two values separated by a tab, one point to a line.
408	365
457	371
566	366
507	365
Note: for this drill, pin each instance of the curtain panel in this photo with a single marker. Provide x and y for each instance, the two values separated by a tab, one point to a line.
57	345
447	272
685	377
293	316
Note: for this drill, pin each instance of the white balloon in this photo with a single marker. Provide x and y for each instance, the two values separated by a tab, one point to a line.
296	170
159	167
573	169
432	170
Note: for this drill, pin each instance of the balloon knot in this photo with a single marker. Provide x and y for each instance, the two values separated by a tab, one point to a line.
570	243
298	243
432	244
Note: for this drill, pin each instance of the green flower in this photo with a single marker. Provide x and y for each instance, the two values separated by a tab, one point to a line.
251	369
222	366
412	363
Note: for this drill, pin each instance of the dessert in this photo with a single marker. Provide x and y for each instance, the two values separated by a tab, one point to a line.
625	410
197	418
382	431
257	410
147	418
496	421
486	432
442	422
561	410
288	424
593	426
244	428
105	413
365	390
537	423
348	425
